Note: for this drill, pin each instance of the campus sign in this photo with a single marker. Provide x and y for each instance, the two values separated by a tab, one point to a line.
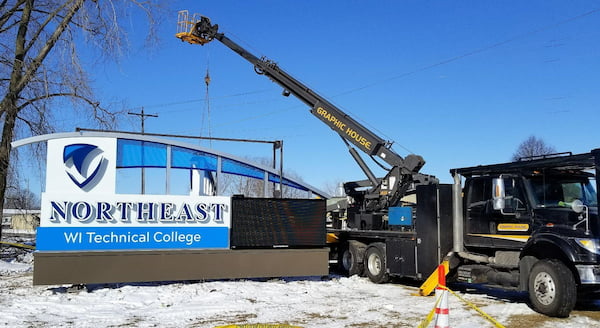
81	210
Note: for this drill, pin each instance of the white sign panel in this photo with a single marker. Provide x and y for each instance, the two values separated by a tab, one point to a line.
80	210
81	165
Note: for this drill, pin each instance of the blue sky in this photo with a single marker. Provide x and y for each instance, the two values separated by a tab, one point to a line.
460	83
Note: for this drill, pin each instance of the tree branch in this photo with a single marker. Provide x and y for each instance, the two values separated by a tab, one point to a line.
33	67
59	94
81	26
7	14
49	18
2	30
27	122
17	68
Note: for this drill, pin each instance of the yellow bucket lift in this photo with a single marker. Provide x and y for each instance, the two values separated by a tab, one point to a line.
186	28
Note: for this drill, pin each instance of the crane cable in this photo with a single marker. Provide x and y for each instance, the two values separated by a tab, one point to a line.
207	103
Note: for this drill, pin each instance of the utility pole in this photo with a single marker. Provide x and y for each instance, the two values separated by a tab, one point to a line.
143	117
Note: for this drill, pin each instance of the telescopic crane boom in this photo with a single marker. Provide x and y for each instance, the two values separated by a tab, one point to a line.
380	193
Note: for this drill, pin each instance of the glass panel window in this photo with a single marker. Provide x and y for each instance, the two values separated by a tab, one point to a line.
238	168
275	179
184	158
136	153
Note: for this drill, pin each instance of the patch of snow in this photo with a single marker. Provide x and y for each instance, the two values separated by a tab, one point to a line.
309	303
15	266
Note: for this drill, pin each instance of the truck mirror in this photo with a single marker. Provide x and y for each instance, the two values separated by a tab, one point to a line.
501	201
499	196
577	206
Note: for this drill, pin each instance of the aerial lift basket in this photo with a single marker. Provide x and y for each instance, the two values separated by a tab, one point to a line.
187	31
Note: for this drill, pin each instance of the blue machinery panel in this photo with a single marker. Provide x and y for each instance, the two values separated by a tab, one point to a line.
400	216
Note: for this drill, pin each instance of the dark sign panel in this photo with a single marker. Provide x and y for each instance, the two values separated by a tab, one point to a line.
268	223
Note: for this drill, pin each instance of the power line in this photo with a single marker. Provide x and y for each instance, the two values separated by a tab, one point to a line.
464	55
474	52
204	99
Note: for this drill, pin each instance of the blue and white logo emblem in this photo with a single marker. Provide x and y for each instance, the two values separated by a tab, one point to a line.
84	164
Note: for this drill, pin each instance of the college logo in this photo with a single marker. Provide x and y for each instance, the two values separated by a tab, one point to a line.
84	164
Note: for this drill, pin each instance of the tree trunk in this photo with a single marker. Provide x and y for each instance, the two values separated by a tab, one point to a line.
9	103
20	77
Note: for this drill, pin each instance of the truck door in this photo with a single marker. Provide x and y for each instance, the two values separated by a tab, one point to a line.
486	226
477	205
513	219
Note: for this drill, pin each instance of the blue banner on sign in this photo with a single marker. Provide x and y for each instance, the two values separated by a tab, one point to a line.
121	238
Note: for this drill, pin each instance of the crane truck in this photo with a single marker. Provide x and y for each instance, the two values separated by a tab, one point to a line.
530	225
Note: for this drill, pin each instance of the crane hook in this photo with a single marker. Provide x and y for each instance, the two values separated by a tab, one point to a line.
207	78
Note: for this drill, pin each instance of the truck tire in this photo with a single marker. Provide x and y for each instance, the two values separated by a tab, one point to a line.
350	258
552	288
344	260
375	264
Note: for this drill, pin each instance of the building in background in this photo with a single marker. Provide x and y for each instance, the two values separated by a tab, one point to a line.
20	220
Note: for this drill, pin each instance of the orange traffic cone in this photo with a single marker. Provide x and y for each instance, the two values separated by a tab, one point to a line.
441	310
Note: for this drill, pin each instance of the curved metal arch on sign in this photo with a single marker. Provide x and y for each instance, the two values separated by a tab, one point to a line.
213	160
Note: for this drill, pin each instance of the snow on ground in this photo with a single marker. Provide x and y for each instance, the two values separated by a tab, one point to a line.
308	302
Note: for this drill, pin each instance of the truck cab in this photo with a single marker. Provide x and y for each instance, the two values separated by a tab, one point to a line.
528	203
531	225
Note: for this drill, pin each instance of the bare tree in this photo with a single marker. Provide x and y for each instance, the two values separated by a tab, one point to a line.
22	199
335	188
532	147
40	63
251	187
17	195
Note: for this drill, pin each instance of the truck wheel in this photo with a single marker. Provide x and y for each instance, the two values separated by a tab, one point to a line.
344	260
375	263
350	258
552	288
